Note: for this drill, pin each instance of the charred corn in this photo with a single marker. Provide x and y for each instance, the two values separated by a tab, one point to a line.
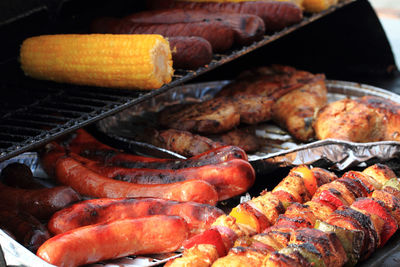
119	61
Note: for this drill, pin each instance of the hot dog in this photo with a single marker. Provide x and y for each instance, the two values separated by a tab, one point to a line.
41	203
19	175
87	146
276	15
199	217
248	28
92	243
87	182
230	178
190	52
25	228
220	36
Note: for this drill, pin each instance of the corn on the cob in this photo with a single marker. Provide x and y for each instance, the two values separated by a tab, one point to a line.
119	61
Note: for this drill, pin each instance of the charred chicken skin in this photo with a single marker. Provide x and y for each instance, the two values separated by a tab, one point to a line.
366	119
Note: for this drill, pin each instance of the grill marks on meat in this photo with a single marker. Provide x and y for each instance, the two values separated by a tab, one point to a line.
288	96
366	119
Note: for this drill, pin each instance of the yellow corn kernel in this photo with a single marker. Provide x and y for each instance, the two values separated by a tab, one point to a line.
131	61
318	5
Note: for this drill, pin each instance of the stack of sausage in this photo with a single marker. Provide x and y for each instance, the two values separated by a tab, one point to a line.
343	223
195	33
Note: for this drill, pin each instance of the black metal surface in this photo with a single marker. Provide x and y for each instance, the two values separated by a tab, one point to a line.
36	112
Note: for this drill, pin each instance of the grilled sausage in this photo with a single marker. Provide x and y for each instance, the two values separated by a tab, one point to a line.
87	182
276	15
220	36
92	243
19	175
25	228
229	178
199	217
41	203
248	28
190	52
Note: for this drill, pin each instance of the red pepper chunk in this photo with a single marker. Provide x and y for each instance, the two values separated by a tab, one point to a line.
329	198
373	206
210	236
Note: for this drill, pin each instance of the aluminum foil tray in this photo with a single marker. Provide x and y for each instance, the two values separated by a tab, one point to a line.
280	149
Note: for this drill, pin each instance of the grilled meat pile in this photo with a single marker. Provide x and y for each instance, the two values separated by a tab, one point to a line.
287	96
365	119
337	223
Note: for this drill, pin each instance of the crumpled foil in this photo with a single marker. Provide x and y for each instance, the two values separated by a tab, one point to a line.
282	151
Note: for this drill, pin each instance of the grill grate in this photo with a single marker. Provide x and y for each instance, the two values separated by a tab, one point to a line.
36	112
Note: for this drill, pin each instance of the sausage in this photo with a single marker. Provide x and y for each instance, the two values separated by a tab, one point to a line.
93	243
19	175
87	146
25	228
41	203
276	15
87	182
220	36
247	28
230	178
190	52
199	217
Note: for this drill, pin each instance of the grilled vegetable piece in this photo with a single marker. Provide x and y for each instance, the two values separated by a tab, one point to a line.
308	251
211	237
380	172
391	202
352	219
250	217
121	61
376	207
352	240
115	239
394	183
328	244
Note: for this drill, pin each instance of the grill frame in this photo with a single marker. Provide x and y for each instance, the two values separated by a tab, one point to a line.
62	108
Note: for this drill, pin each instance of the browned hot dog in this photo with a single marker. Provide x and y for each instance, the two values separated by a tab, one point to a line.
87	182
248	28
25	228
220	36
276	15
199	217
19	175
41	203
230	178
93	243
190	52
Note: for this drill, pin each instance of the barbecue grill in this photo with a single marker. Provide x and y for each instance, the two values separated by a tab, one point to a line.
346	42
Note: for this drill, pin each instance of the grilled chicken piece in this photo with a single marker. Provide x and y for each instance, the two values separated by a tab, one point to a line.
298	215
366	119
281	259
244	137
390	113
242	256
294	185
273	81
392	203
202	255
295	110
213	116
182	142
349	120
